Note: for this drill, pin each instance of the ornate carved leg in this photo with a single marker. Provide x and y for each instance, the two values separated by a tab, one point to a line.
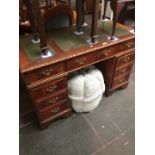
116	8
83	12
22	16
94	20
31	17
79	4
22	11
105	8
41	31
69	3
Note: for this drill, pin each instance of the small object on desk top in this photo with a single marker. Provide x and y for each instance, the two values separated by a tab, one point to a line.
104	43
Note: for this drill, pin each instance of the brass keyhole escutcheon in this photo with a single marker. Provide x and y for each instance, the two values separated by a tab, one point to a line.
46	72
51	89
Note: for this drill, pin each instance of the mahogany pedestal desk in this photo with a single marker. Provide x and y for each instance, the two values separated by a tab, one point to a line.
46	79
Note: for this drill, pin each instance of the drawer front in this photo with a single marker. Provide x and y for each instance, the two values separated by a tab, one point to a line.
121	80
48	89
53	111
102	54
78	62
51	101
130	43
125	59
44	72
126	45
124	70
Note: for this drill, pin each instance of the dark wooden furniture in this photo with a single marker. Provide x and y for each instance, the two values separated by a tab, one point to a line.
37	20
46	79
47	10
116	6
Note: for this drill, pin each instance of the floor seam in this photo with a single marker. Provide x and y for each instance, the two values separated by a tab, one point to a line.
93	129
104	146
115	124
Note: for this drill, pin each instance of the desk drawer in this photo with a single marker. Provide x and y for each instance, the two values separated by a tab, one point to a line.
54	111
126	45
101	54
44	72
80	61
49	88
52	100
104	53
130	43
120	80
125	59
123	70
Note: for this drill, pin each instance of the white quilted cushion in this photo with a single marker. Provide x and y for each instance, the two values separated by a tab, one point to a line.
85	89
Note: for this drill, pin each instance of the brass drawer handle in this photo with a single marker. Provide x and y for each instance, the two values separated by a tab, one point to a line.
129	44
124	70
100	55
121	47
108	52
104	53
47	72
80	61
120	81
126	59
55	110
53	100
51	89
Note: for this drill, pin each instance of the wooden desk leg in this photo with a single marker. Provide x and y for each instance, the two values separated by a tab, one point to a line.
69	113
40	27
79	6
105	8
46	125
32	19
125	86
116	8
108	92
94	20
83	11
